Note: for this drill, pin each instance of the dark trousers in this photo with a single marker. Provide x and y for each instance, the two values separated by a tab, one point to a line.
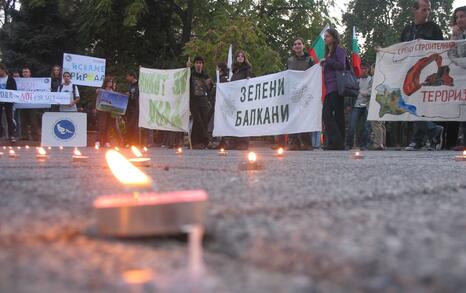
9	117
200	114
301	139
132	128
358	114
450	133
31	120
333	117
106	125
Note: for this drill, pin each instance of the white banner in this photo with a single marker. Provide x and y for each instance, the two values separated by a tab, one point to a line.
31	97
164	99
420	80
283	103
66	129
41	84
85	70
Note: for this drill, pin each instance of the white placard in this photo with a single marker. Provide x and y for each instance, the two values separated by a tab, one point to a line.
66	129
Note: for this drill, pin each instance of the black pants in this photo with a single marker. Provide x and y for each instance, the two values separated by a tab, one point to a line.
106	125
132	128
9	117
333	116
450	133
31	120
200	113
301	139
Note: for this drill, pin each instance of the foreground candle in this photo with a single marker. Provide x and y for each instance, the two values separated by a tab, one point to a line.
357	156
461	157
78	157
139	161
222	152
179	151
280	153
26	147
1	154
251	164
145	213
41	154
12	154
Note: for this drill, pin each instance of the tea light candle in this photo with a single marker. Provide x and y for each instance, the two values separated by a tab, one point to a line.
61	148
222	152
96	147
19	148
49	148
251	164
41	155
145	213
12	154
357	156
461	158
78	157
280	153
1	154
27	147
144	149
179	151
139	160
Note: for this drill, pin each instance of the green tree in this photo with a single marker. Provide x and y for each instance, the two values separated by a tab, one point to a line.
381	22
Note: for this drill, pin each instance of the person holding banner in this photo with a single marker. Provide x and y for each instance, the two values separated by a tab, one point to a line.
7	83
301	61
459	33
242	69
30	118
421	28
132	111
68	87
333	114
106	123
200	86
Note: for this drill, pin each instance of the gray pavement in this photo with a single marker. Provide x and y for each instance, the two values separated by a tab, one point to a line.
310	222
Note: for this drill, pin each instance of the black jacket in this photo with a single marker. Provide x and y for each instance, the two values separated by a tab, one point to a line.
425	31
244	71
11	84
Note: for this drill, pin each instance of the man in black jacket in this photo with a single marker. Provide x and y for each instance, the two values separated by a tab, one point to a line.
8	83
421	28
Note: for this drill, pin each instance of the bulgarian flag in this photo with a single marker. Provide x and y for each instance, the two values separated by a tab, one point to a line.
355	58
317	52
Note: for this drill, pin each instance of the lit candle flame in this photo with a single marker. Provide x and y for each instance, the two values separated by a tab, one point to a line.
464	153
144	149
19	148
137	277
12	153
27	147
10	147
41	151
179	150
126	172
77	152
61	148
136	151
357	153
96	147
49	148
252	157
222	150
117	149
280	151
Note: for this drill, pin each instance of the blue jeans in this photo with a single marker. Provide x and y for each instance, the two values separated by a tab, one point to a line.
358	114
315	139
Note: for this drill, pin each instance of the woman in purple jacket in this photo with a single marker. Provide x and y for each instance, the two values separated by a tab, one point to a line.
333	110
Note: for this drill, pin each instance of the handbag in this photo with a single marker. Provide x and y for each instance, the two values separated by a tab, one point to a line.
347	83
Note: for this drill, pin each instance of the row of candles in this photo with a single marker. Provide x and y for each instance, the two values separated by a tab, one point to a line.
141	161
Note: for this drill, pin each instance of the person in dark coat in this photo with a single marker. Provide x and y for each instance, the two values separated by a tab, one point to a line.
7	83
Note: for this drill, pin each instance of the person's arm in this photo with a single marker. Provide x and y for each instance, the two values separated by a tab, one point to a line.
337	63
11	84
76	96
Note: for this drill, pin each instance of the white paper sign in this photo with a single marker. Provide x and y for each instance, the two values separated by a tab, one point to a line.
85	70
68	129
35	84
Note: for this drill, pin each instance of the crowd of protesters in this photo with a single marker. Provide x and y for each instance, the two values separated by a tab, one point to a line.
344	120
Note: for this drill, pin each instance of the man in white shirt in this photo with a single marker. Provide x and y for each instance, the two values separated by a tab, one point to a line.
68	87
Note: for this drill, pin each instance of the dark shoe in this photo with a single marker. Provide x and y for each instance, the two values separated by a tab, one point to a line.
413	147
437	139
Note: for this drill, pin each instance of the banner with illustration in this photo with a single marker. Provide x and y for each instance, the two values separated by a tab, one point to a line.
164	99
36	84
113	102
84	70
420	80
281	103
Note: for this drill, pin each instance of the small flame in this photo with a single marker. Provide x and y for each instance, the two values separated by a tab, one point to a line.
19	148
144	149
12	152
26	147
280	151
179	150
10	148
252	157
117	149
357	153
49	148
97	147
41	151
61	148
137	277
77	152
4	147
222	150
126	172
464	153
136	151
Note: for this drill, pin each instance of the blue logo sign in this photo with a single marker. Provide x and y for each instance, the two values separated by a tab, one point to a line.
64	129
